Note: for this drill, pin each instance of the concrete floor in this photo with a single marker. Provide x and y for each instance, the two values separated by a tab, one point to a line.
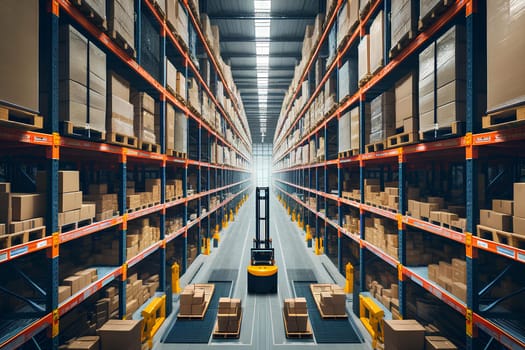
262	324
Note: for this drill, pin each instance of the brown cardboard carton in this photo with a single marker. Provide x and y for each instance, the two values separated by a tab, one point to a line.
121	334
505	52
445	269
26	206
414	208
438	343
426	208
74	282
503	206
186	297
403	335
518	225
495	220
87	211
83	345
519	199
64	292
197	309
459	289
68	181
68	217
5	187
185	309
70	201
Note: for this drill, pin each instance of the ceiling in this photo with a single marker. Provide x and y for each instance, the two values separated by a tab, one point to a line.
240	42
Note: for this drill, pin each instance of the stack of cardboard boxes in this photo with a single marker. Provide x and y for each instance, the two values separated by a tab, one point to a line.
141	235
363	49
121	21
193	95
107	308
176	184
438	343
144	117
519	210
120	110
436	211
75	283
451	276
173	224
331	300
351	223
376	43
403	22
70	206
121	334
229	315
382	233
406	105
20	213
389	297
106	204
82	73
382	120
296	315
138	292
347	20
177	19
193	301
91	342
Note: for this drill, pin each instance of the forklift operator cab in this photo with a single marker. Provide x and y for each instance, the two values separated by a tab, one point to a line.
262	271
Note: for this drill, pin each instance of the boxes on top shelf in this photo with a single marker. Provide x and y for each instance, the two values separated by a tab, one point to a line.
121	21
403	23
364	58
426	88
120	110
376	43
406	103
505	50
144	117
19	35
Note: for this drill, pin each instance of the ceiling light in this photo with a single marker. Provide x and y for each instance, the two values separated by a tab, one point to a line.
263	61
262	5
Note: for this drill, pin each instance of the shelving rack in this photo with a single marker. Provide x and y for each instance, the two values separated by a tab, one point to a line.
49	149
471	149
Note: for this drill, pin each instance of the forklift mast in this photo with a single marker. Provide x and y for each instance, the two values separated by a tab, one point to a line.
262	199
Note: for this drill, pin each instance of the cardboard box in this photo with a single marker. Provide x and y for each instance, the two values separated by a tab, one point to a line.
87	211
197	309
426	208
69	201
518	225
459	289
5	187
26	206
68	181
503	206
69	217
438	343
495	220
74	282
121	334
519	199
504	59
64	292
403	335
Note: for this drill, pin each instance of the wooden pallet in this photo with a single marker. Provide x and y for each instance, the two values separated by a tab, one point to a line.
172	153
375	147
402	43
121	140
208	294
406	138
106	215
228	335
509	238
90	14
160	11
18	118
69	129
149	147
316	290
119	39
306	334
13	239
348	154
433	15
76	225
504	119
378	68
457	128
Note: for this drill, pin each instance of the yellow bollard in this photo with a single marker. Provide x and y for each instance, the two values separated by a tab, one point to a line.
216	235
205	246
319	246
231	215
225	222
308	235
349	285
175	275
293	215
299	220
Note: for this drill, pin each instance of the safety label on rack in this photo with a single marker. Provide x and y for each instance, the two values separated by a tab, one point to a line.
521	257
3	256
41	244
19	251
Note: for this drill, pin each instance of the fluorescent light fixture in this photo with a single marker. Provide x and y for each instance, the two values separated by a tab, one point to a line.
262	48
263	61
262	82
262	74
262	28
262	5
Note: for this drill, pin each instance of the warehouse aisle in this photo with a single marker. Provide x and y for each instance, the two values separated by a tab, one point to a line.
262	324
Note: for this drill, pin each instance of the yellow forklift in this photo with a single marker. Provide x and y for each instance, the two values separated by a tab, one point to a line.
262	271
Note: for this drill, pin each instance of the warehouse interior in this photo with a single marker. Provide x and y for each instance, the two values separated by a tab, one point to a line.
343	174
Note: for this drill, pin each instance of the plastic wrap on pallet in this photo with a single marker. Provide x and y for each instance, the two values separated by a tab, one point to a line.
332	44
143	117
344	132
19	36
377	42
450	76
170	126
364	57
403	19
150	52
181	132
426	88
425	6
342	22
382	117
506	49
121	19
171	75
406	99
343	81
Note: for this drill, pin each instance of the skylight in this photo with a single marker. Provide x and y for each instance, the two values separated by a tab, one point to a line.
262	48
262	5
